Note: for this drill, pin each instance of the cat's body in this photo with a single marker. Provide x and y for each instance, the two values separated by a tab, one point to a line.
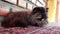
24	19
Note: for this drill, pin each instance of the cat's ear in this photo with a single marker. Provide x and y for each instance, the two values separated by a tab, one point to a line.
47	9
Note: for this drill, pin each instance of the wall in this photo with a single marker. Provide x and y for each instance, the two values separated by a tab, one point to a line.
52	10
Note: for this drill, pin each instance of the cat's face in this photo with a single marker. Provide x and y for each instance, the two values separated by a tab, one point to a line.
38	20
40	17
36	17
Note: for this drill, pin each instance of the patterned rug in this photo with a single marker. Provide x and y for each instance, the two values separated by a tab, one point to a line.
30	30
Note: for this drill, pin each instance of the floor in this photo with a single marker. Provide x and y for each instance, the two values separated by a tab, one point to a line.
48	29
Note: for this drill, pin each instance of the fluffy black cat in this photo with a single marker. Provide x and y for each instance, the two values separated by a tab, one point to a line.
38	17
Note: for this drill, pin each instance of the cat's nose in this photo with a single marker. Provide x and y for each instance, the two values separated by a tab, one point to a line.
39	19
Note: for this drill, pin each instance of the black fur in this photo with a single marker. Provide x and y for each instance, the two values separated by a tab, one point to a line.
23	19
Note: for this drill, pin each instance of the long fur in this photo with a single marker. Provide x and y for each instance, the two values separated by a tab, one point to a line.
23	19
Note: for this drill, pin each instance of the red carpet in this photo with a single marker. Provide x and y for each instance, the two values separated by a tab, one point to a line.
30	30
